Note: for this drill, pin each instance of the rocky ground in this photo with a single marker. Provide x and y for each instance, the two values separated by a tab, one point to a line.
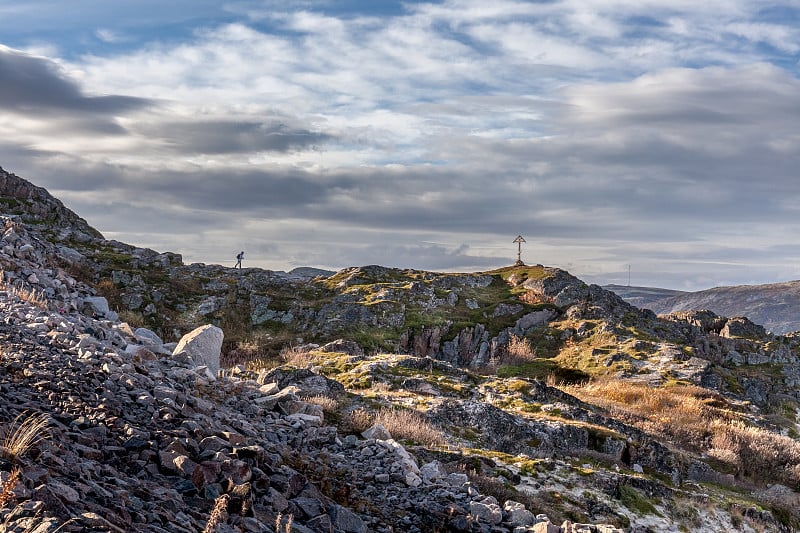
137	438
372	399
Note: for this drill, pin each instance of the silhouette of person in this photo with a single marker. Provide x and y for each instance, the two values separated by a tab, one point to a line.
239	258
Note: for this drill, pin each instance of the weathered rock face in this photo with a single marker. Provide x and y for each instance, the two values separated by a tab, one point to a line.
34	204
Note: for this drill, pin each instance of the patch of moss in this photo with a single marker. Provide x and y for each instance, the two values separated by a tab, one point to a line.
636	502
541	369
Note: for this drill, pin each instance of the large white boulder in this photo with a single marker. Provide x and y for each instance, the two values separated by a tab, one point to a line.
203	345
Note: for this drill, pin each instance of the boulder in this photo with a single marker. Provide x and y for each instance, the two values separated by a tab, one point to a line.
343	346
486	510
203	345
100	306
145	336
516	514
377	432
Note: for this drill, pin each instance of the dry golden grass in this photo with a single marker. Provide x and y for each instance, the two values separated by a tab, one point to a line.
7	488
109	290
401	424
26	431
218	514
31	296
296	356
380	387
329	405
700	420
283	524
518	351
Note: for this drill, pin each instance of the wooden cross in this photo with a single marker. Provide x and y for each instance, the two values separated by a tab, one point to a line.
519	240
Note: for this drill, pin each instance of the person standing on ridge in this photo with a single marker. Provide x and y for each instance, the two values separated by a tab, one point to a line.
239	258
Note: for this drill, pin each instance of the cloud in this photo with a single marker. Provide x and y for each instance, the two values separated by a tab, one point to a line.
107	36
602	130
37	85
228	136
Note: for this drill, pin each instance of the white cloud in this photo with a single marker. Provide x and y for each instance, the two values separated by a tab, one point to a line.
108	36
589	126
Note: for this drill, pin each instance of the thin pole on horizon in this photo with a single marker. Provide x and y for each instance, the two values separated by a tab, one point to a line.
629	274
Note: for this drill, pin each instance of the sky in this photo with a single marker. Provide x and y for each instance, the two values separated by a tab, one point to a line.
660	136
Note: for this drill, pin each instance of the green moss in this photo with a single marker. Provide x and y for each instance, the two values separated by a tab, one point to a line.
8	203
114	260
542	368
787	516
635	501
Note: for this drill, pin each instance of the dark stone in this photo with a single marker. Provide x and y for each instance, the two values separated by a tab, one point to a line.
135	444
186	487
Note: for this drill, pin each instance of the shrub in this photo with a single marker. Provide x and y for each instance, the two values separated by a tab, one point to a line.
518	351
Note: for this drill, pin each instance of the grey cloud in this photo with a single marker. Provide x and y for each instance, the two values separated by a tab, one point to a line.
37	85
426	256
223	136
253	192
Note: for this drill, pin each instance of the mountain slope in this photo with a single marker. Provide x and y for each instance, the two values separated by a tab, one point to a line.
375	399
775	306
643	296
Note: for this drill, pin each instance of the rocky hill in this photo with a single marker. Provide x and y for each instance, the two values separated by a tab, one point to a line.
142	394
776	306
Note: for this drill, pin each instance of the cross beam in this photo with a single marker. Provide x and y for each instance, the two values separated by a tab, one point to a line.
519	240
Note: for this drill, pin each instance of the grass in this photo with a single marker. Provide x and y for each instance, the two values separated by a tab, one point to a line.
329	405
108	290
633	500
543	369
219	514
25	432
518	351
699	420
401	423
283	524
7	488
297	357
32	296
134	319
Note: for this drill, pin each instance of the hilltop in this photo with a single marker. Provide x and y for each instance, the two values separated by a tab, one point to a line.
372	399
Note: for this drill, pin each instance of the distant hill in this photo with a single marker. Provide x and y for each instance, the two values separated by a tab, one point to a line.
642	296
775	306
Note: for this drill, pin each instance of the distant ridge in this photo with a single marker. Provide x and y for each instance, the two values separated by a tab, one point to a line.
775	306
642	296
